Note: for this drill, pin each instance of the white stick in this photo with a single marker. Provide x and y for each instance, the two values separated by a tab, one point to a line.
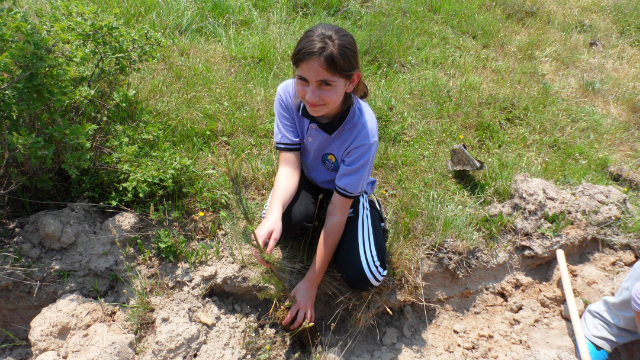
571	304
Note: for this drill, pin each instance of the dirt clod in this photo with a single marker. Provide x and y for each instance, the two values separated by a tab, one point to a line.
625	176
579	308
390	336
76	328
206	318
578	212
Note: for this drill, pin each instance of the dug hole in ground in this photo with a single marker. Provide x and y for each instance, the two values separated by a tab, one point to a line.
504	303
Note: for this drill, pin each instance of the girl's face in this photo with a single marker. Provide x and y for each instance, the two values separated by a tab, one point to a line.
321	91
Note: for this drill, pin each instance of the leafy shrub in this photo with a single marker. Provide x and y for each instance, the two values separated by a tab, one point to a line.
64	87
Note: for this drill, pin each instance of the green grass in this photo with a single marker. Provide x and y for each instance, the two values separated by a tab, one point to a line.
516	81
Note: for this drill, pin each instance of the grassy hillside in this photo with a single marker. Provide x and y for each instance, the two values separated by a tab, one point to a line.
517	81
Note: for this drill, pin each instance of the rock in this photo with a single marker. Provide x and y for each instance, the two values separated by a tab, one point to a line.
514	305
50	329
533	200
122	226
50	231
383	355
175	336
579	307
528	316
391	298
329	356
406	331
459	328
407	312
237	308
49	355
628	258
551	297
245	308
624	175
73	329
466	344
206	318
390	337
69	234
101	342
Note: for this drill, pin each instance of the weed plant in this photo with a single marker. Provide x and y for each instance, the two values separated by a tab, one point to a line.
17	342
558	223
174	247
516	81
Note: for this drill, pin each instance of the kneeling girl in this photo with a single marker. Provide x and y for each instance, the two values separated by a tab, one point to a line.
327	138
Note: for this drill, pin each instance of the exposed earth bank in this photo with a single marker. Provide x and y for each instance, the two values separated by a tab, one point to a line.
503	303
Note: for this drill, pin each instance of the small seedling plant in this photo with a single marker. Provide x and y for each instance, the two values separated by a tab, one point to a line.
558	223
283	300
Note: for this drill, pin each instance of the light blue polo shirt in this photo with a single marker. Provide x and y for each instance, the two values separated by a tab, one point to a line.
341	161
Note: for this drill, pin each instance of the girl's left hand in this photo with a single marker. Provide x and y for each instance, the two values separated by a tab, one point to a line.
305	295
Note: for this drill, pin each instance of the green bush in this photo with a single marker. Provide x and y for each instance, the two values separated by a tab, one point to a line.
62	90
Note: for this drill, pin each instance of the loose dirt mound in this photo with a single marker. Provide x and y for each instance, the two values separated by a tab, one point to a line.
187	327
76	328
580	214
73	250
92	244
508	308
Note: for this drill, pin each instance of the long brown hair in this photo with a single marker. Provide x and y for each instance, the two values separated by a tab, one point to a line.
337	49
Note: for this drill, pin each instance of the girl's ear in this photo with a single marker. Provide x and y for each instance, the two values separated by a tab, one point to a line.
351	84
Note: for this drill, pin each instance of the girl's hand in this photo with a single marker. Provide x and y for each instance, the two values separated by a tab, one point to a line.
305	295
269	231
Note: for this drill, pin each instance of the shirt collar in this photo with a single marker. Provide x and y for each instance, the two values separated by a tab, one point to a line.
330	127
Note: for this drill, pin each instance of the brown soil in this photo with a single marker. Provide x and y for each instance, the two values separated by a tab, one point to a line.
482	304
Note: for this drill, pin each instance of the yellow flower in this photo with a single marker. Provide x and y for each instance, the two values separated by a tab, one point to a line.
268	347
200	213
461	137
625	189
384	191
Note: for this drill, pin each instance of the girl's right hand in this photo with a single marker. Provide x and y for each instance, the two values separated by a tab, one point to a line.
269	232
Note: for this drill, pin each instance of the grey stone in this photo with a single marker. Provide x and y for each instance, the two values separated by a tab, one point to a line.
390	337
408	312
50	231
406	331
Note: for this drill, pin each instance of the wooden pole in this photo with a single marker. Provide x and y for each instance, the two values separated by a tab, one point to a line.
571	304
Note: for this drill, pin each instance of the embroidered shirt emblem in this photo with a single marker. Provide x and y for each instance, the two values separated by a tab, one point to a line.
330	163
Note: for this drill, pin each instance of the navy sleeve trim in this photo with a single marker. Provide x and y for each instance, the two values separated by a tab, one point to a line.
288	144
288	149
347	191
345	195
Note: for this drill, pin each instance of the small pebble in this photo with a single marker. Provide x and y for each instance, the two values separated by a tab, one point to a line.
407	311
459	328
206	318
